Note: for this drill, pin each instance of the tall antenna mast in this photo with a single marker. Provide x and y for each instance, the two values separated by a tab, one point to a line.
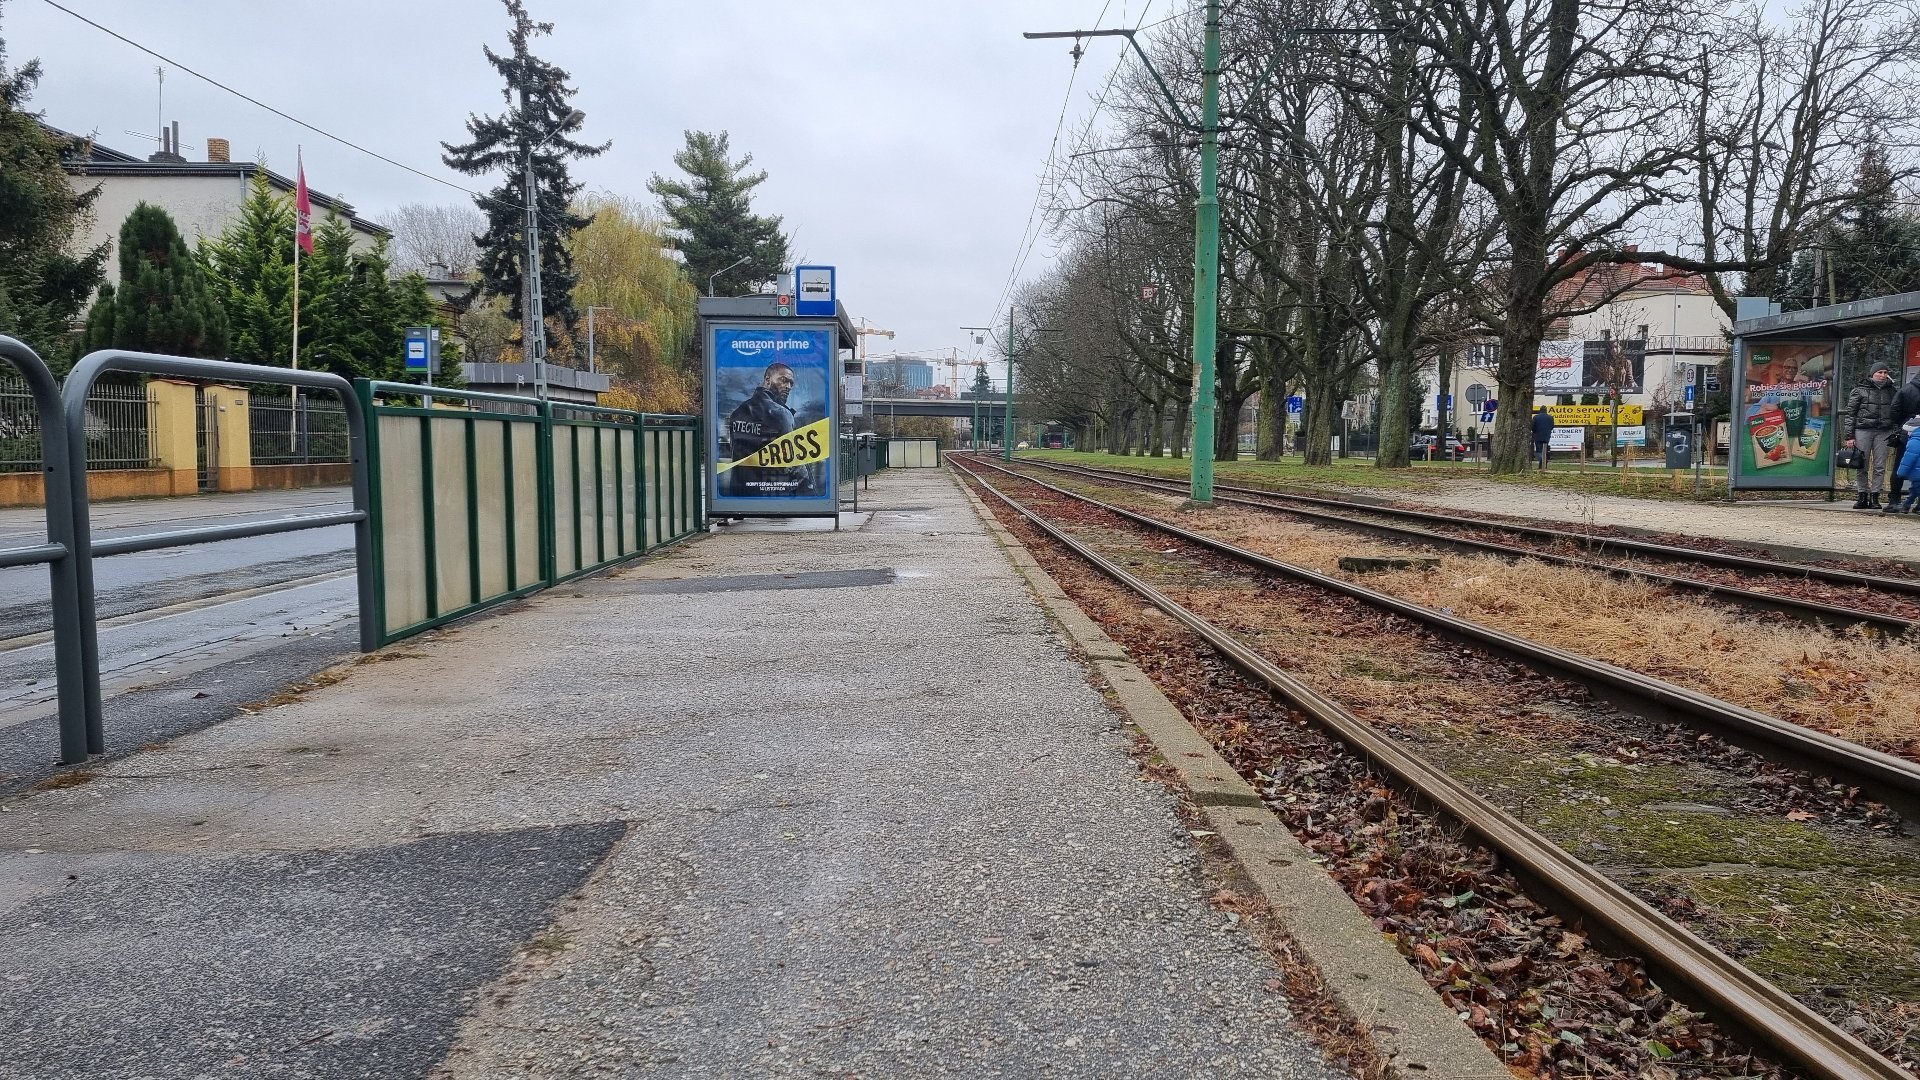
160	104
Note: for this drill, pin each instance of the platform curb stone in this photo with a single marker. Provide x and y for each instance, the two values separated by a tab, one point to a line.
1411	1032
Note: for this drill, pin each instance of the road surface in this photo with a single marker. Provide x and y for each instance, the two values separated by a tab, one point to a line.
165	614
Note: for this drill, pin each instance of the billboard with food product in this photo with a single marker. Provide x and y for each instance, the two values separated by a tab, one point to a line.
1784	433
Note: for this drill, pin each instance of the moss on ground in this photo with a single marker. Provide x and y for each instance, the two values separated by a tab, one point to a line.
1858	933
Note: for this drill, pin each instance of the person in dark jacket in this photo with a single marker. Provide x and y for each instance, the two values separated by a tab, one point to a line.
754	423
1867	422
1542	434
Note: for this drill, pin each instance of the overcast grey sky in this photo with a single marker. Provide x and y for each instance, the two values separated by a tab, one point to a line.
904	138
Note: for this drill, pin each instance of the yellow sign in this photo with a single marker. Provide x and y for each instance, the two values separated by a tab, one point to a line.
1596	415
801	446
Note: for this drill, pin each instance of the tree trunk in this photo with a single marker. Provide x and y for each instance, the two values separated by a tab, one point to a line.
1156	434
1320	415
1273	423
1182	413
1396	387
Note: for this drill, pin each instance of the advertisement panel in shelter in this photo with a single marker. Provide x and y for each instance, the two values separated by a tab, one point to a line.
1785	433
771	398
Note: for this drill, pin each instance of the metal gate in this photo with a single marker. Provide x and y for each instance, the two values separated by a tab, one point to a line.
206	438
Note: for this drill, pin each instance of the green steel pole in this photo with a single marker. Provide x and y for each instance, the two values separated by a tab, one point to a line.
1206	265
1006	437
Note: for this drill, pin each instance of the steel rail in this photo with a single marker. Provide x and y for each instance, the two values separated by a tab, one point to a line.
1874	582
1894	781
1736	995
1808	610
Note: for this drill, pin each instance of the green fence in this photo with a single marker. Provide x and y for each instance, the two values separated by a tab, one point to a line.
481	498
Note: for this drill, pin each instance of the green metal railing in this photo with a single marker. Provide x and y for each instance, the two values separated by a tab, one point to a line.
482	498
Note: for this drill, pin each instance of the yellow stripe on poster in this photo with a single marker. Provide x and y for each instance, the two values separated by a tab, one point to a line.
801	446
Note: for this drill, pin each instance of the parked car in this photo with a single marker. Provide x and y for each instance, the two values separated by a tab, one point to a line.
1426	447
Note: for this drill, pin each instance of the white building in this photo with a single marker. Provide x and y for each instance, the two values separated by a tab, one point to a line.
1674	313
202	196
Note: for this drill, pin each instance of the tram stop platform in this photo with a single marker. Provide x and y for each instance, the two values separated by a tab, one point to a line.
821	803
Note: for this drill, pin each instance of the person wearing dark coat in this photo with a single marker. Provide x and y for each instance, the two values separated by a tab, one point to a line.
1868	422
1542	434
757	421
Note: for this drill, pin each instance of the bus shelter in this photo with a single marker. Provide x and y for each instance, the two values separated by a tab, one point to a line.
773	403
1791	375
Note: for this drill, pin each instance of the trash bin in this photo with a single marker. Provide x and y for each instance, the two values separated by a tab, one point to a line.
1679	448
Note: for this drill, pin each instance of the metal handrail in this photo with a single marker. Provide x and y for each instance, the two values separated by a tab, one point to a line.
60	551
73	398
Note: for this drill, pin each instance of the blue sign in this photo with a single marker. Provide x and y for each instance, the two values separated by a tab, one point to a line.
772	421
1296	403
1689	393
423	349
814	291
1443	401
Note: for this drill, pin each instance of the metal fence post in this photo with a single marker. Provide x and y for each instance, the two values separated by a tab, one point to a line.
74	402
62	567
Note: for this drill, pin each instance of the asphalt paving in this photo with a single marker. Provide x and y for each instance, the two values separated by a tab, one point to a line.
873	821
273	608
314	964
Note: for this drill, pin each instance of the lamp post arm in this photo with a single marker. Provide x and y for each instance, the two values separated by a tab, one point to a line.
1133	40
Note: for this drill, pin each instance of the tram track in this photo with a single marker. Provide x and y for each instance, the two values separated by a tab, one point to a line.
1898	600
1892	780
1731	990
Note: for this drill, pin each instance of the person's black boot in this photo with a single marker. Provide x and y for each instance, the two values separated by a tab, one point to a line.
1873	500
1861	502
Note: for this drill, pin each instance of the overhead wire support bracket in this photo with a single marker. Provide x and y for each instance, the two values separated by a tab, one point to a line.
1173	102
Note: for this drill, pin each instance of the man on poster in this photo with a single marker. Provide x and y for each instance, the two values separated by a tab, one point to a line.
757	421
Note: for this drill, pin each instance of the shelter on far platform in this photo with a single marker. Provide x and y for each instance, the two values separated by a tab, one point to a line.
1791	374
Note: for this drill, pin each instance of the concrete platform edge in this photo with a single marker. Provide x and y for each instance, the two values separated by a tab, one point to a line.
1411	1032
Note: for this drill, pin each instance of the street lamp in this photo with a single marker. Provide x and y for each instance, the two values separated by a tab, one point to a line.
713	279
1206	212
533	319
590	310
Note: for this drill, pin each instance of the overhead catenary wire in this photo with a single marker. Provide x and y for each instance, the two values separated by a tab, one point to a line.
1049	176
242	95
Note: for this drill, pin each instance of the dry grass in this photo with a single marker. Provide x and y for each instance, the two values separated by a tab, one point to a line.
1859	685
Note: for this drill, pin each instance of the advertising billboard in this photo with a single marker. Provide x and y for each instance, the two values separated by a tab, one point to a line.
1591	366
1785	433
772	411
1561	365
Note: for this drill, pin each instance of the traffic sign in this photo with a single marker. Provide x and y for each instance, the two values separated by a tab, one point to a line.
783	309
1296	403
784	299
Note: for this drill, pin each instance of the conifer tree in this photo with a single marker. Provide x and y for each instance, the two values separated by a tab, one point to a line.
711	213
250	272
43	286
539	102
161	304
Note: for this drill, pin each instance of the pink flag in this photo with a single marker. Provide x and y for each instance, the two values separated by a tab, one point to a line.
303	213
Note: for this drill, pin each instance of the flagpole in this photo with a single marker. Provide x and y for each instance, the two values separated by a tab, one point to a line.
293	413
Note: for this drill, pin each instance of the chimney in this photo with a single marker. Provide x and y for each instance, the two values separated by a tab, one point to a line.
169	146
218	150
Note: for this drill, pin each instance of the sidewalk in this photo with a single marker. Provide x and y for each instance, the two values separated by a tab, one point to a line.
805	803
1817	525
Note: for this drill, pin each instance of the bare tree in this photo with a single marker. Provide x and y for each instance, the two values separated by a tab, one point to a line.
1782	116
427	236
